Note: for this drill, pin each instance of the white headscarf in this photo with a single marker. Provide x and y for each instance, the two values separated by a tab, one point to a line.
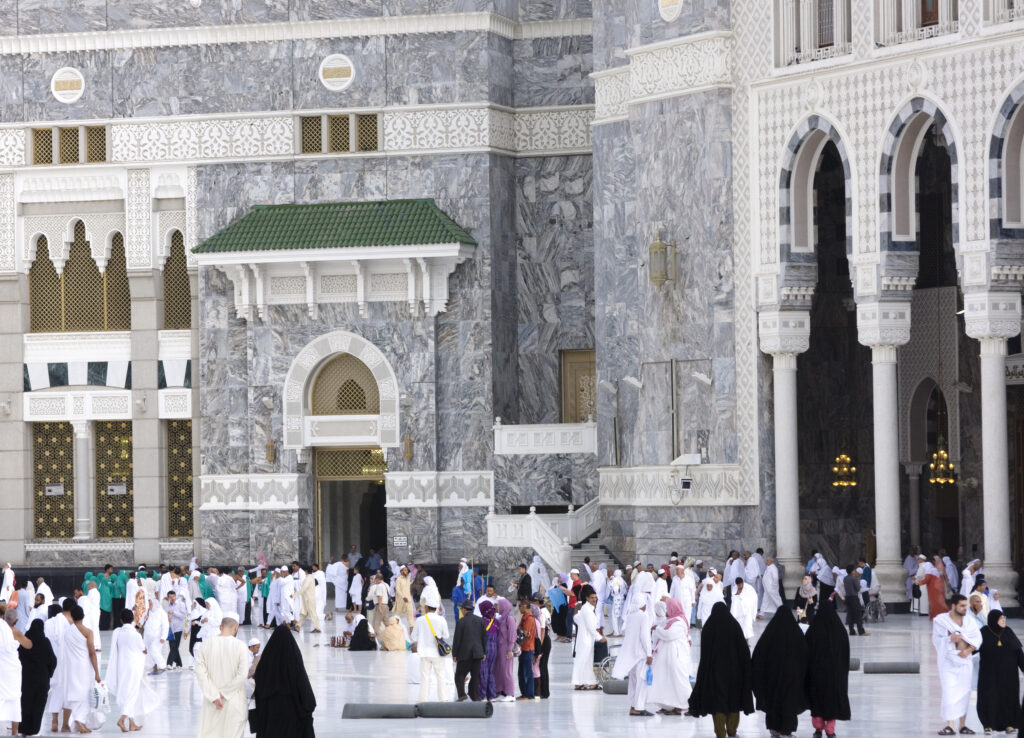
539	575
641	594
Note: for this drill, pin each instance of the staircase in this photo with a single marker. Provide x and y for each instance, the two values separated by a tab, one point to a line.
597	552
549	535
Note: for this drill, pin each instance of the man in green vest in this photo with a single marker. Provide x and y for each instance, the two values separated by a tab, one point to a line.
106	586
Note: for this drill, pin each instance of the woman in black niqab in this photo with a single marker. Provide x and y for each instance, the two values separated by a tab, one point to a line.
998	680
37	666
361	640
284	697
779	668
828	665
723	675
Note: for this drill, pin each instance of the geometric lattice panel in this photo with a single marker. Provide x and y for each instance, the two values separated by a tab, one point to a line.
117	296
53	449
115	516
45	293
179	478
345	386
83	287
177	291
350	464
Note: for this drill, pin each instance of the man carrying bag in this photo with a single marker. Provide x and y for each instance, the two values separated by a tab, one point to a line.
430	642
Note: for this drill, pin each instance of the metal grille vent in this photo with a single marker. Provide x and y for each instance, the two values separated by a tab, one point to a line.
177	291
338	133
44	290
345	386
179	479
350	464
118	309
95	143
42	146
53	464
68	145
114	494
366	132
83	287
312	136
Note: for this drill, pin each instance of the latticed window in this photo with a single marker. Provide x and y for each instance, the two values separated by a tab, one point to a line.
45	293
338	133
366	132
345	386
115	517
79	298
117	294
68	145
83	287
53	480
179	478
350	464
826	23
42	146
579	386
177	291
95	143
311	135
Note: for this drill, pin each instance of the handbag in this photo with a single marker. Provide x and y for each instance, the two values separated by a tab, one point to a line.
600	651
536	668
520	636
443	647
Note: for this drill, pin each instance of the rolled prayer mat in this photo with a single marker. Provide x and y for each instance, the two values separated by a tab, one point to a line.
354	711
892	667
616	686
467	709
854	664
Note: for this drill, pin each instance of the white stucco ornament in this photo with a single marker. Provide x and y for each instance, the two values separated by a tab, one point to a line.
336	72
67	84
670	9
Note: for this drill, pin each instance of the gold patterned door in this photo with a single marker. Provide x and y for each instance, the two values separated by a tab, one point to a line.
53	488
579	386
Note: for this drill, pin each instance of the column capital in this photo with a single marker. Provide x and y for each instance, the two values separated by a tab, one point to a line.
883	324
83	428
784	331
913	468
992	314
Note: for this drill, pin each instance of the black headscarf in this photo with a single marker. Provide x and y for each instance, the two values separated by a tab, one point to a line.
1004	636
361	640
284	697
828	668
723	675
779	667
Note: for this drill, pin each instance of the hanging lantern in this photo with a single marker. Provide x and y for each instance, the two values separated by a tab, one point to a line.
941	469
843	471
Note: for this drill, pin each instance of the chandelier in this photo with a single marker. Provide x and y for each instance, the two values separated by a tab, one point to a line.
844	470
941	469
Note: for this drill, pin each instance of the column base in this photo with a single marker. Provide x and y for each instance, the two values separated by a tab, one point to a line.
1004	578
893	579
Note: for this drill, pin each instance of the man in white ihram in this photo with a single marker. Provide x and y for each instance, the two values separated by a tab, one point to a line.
635	656
744	607
955	638
222	665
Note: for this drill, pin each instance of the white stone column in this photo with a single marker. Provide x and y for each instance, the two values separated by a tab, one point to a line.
85	495
884	326
808	26
992	317
913	470
784	334
840	33
787	32
910	17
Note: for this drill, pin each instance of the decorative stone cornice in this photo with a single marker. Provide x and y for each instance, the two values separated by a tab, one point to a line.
992	314
440	489
784	331
550	438
243	33
666	69
249	492
883	323
99	404
658	486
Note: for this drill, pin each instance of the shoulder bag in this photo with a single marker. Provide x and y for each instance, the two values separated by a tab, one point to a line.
443	647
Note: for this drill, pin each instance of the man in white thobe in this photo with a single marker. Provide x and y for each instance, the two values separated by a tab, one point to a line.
154	634
321	592
222	665
634	658
771	600
599	581
7	587
44	589
744	607
955	638
683	589
752	575
910	564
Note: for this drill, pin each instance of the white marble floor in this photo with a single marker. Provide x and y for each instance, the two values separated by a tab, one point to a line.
883	705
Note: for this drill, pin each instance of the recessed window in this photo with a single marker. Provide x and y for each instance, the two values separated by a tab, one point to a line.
312	137
42	146
95	143
69	145
338	131
338	134
366	127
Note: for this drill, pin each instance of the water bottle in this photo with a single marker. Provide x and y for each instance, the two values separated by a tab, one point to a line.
650	676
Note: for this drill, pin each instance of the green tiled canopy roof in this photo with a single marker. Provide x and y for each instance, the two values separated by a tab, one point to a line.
337	225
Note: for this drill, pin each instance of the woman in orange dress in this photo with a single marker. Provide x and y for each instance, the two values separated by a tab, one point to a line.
932	575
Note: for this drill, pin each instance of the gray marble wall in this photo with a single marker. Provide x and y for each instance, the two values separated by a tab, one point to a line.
553	71
555	255
553	479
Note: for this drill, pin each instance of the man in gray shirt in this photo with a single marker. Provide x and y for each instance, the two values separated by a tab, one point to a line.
177	613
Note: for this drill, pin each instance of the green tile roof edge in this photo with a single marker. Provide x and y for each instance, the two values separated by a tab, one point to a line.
427	218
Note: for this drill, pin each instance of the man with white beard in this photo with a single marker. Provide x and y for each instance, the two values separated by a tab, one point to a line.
771	600
44	589
744	607
683	589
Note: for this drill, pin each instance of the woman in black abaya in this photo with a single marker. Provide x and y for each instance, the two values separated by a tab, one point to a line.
779	667
722	689
361	640
998	680
37	666
284	698
828	669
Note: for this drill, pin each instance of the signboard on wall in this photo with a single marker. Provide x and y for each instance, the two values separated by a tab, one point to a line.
117	489
54	490
400	542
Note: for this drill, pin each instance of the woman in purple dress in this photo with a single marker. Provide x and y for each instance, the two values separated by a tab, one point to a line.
488	690
505	662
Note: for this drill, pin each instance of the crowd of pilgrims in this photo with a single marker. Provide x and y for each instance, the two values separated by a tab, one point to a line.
501	642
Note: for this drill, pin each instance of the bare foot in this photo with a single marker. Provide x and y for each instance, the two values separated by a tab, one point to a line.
81	728
135	726
121	725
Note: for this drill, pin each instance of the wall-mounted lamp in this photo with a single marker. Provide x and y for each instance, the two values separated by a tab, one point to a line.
271	451
608	387
141	403
633	381
407	448
661	262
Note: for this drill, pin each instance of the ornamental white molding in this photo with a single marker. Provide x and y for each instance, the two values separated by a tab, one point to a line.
8	223
576	525
48	348
529	531
249	492
174	404
992	314
884	323
244	33
138	245
298	430
174	345
173	550
432	489
77	549
666	69
657	486
88	405
12	147
550	132
551	438
191	215
784	331
198	139
59	232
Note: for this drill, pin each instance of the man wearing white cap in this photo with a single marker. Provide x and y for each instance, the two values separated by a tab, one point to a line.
222	665
428	629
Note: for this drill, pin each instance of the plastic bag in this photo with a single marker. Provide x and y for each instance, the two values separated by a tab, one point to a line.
99	698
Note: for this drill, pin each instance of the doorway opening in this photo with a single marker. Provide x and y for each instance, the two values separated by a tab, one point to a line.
350	505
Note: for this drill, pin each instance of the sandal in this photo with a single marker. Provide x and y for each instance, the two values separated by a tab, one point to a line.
966	731
947	731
